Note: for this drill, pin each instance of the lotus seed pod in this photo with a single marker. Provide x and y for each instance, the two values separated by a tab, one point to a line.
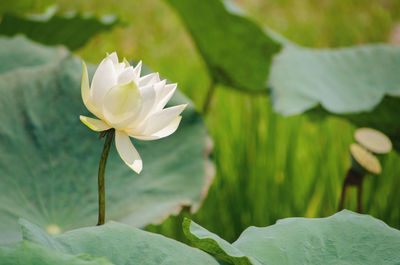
373	140
363	161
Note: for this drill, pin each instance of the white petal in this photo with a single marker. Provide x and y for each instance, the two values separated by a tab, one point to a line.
158	87
148	100
161	119
126	76
121	105
143	137
128	152
85	91
170	129
149	79
164	95
138	69
119	68
94	124
103	80
113	57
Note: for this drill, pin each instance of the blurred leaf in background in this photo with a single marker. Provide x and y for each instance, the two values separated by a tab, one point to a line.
350	82
235	49
22	7
343	81
72	30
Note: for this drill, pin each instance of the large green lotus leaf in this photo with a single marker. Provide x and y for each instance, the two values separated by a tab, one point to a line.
18	52
345	80
235	49
28	253
344	238
119	243
349	82
49	159
49	28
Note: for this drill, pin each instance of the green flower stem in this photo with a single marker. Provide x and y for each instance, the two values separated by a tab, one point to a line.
102	168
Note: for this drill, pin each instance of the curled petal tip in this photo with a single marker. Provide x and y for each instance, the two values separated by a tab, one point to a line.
113	57
128	152
114	53
137	166
94	124
138	69
139	66
183	107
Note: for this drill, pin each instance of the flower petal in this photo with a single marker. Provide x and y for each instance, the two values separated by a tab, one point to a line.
103	80
149	79
164	94
128	152
85	91
148	100
160	120
138	69
113	57
126	76
94	124
119	68
170	129
122	104
158	87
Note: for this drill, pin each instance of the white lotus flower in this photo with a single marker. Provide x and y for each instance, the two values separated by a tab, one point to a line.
132	105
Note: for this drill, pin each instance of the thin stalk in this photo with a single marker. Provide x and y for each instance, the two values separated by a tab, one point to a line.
359	196
209	97
102	168
342	197
352	179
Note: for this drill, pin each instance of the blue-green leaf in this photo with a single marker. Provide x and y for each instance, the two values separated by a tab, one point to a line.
360	83
28	253
344	238
119	243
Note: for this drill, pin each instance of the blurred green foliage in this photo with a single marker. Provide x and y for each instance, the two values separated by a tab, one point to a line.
223	38
50	28
23	6
268	167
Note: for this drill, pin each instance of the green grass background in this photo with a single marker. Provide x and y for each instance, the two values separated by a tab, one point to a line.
268	167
